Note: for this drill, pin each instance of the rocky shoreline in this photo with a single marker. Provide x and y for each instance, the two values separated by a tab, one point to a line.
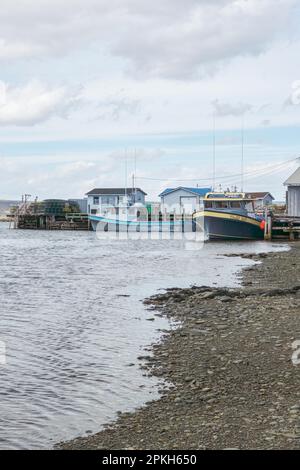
228	376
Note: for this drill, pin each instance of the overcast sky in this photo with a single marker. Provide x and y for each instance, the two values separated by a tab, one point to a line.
84	82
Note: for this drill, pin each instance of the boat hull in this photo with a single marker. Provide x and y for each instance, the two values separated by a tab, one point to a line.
228	226
105	224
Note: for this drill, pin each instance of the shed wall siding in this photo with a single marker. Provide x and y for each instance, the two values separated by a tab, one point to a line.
114	200
294	201
173	200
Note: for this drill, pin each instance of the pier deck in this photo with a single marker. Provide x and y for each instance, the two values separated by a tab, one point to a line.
282	227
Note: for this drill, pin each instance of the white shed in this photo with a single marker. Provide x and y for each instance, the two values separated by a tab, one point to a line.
293	194
183	199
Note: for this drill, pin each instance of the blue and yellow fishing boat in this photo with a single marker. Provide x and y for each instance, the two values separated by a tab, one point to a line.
229	216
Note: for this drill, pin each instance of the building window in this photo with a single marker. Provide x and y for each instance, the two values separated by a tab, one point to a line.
96	200
94	211
108	200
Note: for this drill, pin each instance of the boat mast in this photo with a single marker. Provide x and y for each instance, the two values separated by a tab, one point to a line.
214	152
133	190
134	180
242	156
126	177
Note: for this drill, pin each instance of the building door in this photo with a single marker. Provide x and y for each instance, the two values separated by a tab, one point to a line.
189	204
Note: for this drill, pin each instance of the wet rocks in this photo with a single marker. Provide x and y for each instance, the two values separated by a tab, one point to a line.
229	382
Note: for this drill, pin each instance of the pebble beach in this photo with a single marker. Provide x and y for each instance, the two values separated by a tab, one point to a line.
227	376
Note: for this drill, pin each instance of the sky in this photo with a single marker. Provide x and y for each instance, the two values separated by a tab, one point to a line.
93	91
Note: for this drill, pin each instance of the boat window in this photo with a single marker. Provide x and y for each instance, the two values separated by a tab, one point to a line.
208	204
235	204
221	205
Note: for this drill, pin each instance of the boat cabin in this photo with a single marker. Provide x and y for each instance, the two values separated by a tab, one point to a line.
229	201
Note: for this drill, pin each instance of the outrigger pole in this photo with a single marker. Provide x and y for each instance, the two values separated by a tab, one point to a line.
214	152
242	157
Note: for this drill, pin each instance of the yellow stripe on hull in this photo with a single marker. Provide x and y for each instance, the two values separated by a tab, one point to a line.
227	216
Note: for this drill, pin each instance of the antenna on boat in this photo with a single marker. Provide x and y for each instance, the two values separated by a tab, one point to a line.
214	151
242	156
132	183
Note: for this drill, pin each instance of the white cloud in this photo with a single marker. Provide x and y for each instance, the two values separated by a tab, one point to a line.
35	103
74	168
117	105
170	38
251	46
10	50
227	109
205	35
71	174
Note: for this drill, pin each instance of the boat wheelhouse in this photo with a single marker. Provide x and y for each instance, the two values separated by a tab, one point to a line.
230	215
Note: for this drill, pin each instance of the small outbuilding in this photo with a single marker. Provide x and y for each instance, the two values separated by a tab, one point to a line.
100	198
261	199
293	194
183	199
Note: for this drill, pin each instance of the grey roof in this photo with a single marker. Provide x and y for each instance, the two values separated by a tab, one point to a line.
259	195
113	191
294	179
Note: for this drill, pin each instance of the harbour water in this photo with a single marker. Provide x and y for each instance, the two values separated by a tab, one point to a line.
73	325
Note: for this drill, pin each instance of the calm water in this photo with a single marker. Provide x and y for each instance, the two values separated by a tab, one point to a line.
73	325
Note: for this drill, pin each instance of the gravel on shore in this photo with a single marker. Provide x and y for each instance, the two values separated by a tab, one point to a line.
228	376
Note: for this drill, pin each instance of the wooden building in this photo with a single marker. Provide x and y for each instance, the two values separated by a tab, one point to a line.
261	199
183	199
100	199
293	194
